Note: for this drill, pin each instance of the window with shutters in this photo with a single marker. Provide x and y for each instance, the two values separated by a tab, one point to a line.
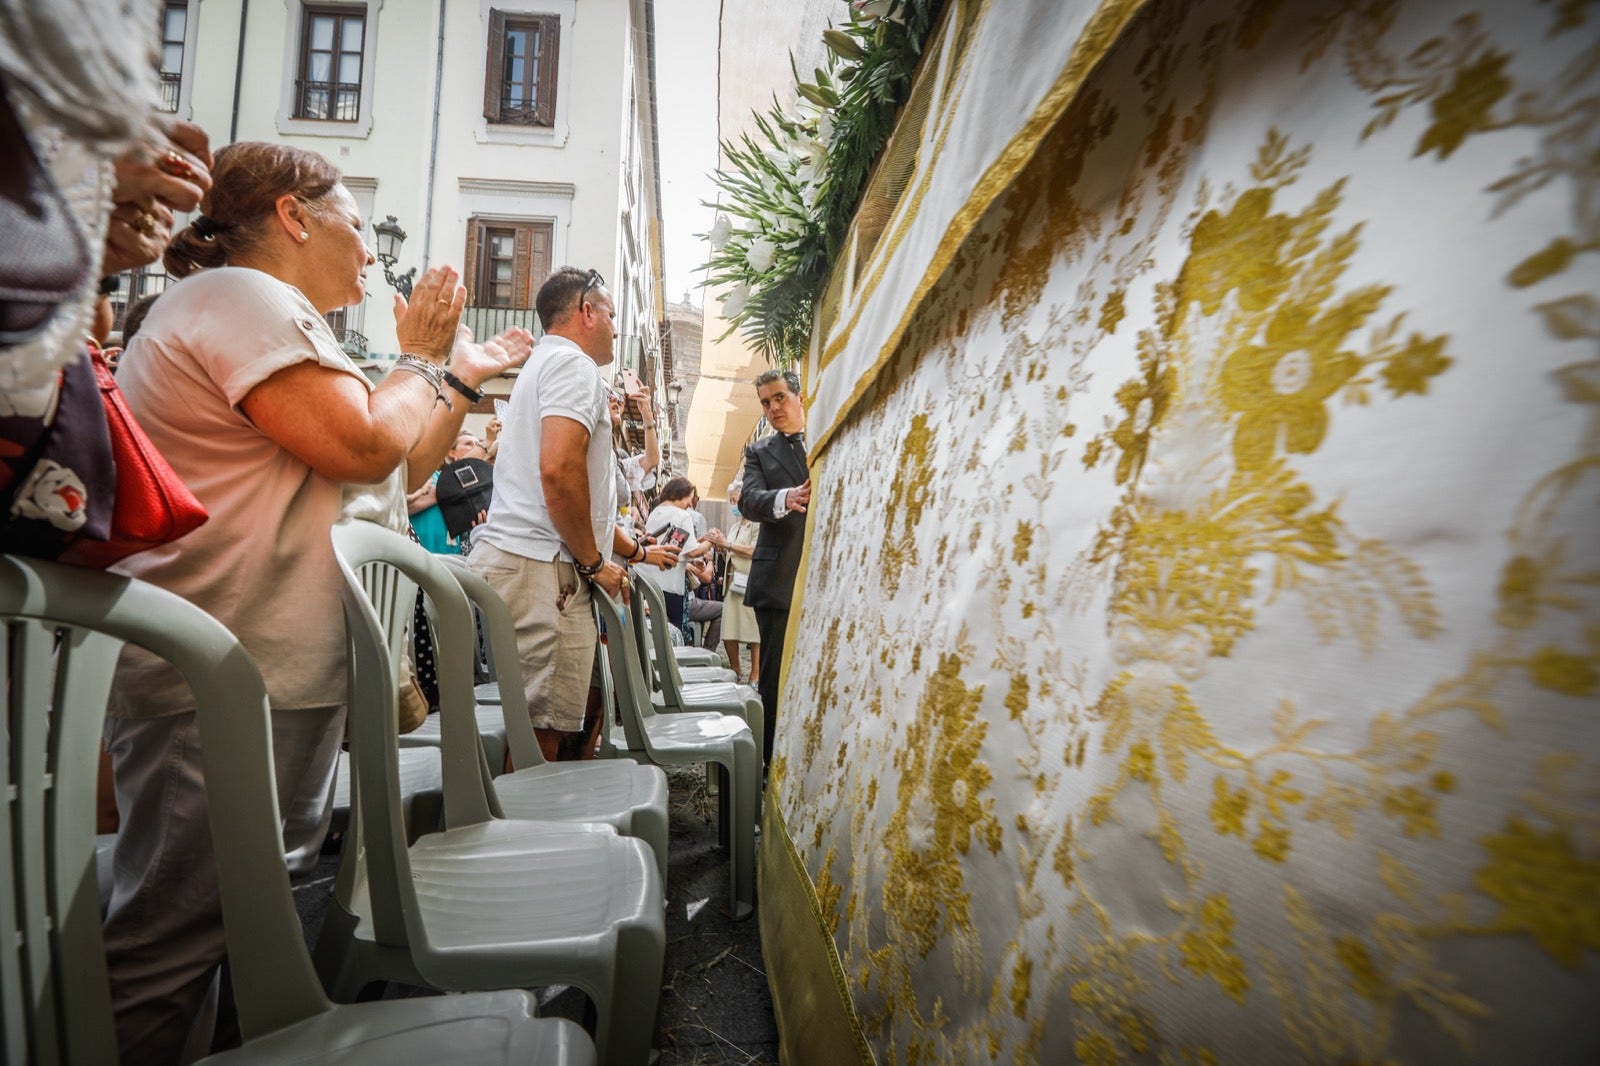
508	260
520	79
332	41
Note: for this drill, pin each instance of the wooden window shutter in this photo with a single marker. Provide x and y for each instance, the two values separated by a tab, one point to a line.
549	51
472	268
541	235
521	296
494	66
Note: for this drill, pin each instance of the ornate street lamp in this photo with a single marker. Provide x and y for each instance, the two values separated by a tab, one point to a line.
674	394
389	238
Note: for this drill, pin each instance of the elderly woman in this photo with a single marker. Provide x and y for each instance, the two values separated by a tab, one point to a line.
738	620
238	380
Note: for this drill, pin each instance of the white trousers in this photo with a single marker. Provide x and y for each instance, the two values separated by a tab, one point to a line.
163	931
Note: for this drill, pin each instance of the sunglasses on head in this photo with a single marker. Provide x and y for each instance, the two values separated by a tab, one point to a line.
595	281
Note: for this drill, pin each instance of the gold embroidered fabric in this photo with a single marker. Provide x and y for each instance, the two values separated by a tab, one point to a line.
1199	652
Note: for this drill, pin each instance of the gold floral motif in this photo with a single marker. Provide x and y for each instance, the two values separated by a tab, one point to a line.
912	491
1241	251
1545	887
1464	108
1207	438
1279	387
1209	949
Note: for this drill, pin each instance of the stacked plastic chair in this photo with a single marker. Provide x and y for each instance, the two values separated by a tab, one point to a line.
63	631
487	902
688	738
671	693
625	795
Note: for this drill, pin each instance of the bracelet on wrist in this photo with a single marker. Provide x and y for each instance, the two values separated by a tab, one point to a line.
473	395
429	372
589	569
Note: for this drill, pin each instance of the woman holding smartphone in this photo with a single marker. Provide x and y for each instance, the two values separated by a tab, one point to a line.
672	525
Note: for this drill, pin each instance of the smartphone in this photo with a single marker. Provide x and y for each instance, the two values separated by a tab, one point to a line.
501	408
630	381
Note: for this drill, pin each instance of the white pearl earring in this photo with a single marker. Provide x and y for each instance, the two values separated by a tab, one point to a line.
304	235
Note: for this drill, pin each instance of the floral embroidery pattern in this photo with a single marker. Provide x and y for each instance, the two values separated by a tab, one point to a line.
1211	715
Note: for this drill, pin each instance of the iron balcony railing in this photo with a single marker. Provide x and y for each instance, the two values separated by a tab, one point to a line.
135	284
335	101
485	322
521	112
170	84
354	344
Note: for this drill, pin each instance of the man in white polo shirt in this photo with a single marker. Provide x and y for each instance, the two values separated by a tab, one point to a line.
550	528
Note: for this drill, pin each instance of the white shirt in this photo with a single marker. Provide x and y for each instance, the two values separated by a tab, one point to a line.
663	520
559	380
639	479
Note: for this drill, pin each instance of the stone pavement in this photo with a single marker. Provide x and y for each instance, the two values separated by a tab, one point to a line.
715	1006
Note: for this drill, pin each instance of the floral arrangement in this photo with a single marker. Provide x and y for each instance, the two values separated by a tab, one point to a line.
790	188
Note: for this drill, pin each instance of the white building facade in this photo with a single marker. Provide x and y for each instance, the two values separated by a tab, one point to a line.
506	137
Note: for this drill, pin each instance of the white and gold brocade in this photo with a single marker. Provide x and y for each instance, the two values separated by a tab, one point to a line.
1198	651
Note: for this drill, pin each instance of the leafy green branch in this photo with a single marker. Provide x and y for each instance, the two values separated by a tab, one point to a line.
790	188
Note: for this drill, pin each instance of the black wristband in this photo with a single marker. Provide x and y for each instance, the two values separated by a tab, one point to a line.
473	395
589	570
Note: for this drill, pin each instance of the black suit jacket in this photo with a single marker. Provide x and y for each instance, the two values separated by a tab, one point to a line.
771	464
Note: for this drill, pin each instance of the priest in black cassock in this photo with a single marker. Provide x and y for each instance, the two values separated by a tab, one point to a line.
776	492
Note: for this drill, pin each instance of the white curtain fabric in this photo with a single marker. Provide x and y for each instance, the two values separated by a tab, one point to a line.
1226	684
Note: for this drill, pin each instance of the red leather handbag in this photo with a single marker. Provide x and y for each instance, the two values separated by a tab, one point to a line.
153	506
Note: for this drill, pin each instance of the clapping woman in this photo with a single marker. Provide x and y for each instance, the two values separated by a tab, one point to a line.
238	380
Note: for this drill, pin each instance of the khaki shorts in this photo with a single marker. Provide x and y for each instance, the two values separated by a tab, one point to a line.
556	636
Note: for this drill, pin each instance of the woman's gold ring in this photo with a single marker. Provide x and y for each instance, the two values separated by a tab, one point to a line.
144	222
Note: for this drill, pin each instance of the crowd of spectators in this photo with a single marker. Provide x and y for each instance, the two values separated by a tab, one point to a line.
238	380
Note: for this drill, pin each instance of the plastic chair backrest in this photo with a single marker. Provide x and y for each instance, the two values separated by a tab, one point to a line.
627	673
381	570
63	631
653	634
501	633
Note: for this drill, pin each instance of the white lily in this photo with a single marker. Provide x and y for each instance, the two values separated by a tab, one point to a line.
721	230
760	254
872	10
734	301
812	159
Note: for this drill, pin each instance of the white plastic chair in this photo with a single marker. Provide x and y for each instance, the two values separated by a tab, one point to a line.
625	795
689	738
491	734
671	693
486	902
687	655
63	631
421	791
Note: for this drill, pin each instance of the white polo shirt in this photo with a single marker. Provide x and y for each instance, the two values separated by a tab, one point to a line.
558	380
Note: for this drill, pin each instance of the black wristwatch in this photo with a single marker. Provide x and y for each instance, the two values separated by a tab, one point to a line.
473	395
589	570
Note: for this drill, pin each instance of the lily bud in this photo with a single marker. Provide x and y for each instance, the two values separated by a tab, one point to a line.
843	45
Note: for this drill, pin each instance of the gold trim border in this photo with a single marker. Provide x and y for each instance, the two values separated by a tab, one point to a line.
802	961
1099	36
